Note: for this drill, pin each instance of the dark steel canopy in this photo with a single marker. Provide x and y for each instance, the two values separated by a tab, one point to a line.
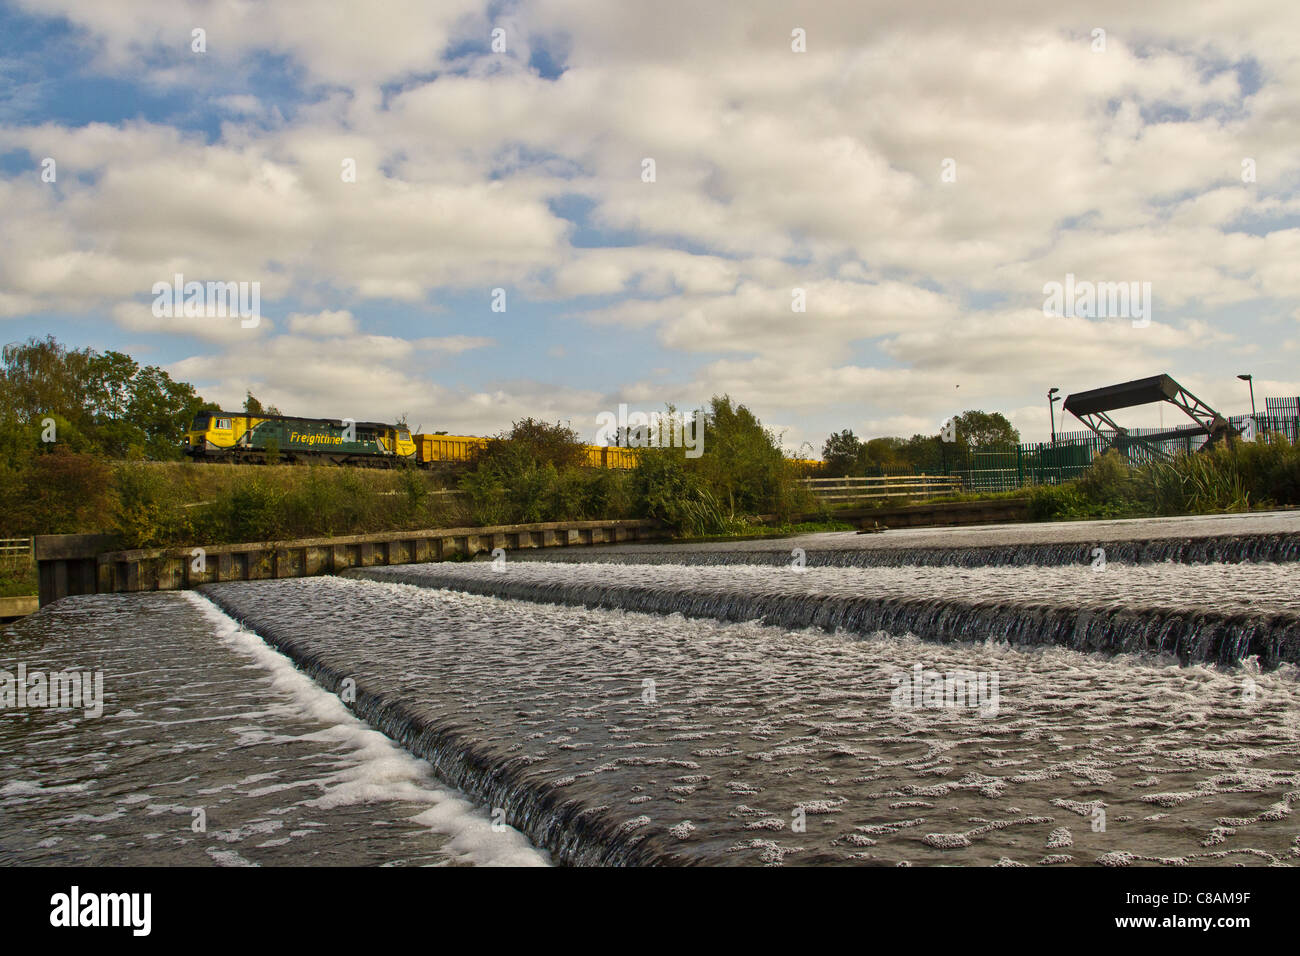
1142	391
1092	408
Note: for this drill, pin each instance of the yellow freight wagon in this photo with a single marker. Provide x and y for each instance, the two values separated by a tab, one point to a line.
806	466
611	456
430	449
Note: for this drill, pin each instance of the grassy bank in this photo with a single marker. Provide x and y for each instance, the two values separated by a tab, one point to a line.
779	530
534	472
1243	477
17	579
173	503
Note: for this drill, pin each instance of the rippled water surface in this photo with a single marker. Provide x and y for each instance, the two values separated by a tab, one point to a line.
1255	588
1255	524
1218	613
759	714
610	736
201	715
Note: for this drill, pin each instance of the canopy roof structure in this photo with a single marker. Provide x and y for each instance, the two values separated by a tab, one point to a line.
1093	408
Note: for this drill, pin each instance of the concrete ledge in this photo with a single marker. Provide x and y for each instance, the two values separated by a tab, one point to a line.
62	547
941	513
636	529
72	565
12	607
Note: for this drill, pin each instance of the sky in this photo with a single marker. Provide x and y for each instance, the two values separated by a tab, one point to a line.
648	192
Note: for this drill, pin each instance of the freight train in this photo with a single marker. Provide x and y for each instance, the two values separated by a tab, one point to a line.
243	438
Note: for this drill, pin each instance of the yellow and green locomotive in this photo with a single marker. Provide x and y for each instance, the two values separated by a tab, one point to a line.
240	437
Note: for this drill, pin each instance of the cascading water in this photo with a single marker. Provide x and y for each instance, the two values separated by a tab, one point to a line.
1222	548
1209	613
1197	539
812	702
616	737
208	748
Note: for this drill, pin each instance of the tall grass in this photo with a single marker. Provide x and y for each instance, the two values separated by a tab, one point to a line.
1195	483
18	578
1235	477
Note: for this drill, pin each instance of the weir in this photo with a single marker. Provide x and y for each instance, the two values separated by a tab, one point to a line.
1135	617
199	716
1228	548
609	737
741	709
551	819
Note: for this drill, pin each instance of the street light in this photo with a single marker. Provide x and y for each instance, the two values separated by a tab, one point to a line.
1251	380
1051	409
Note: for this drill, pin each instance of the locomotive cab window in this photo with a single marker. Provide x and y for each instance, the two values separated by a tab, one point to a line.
223	423
403	435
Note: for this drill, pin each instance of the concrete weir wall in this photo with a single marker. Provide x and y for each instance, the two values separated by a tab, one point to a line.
82	564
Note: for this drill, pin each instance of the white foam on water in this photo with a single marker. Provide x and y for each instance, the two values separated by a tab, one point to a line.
26	788
379	769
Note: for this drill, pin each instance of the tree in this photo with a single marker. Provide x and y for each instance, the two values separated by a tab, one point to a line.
515	476
253	407
112	377
532	441
42	377
162	409
930	453
842	452
101	402
925	453
884	451
741	461
978	429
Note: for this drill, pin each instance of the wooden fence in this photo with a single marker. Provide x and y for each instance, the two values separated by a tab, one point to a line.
889	486
15	551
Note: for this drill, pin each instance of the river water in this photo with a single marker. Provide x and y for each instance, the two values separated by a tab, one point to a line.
1221	613
728	712
1256	536
617	737
199	715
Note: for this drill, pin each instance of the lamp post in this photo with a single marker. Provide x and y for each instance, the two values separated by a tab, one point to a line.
1251	380
1051	410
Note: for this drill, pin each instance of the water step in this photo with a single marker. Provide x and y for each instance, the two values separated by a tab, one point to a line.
1144	624
1228	549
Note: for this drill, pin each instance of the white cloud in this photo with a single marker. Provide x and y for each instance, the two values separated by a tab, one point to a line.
454	344
340	322
775	171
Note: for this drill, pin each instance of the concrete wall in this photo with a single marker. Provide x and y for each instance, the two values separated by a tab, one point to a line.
66	563
82	564
12	608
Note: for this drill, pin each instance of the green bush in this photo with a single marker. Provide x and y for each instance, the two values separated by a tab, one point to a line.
572	495
486	497
1232	477
254	511
666	491
531	493
609	493
1228	478
1057	503
413	491
146	512
18	579
1109	479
